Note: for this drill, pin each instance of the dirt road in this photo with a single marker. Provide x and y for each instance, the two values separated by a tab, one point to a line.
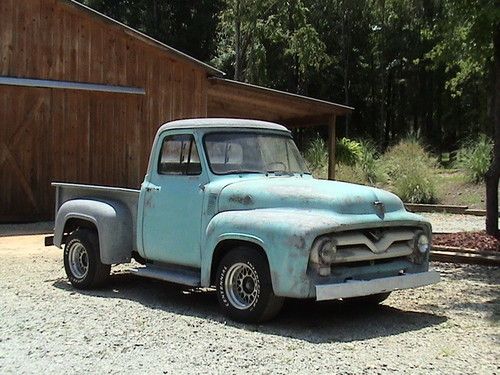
137	325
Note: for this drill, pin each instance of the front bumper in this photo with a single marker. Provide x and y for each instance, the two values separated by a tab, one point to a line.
358	288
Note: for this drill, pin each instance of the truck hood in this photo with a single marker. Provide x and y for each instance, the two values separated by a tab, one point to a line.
309	194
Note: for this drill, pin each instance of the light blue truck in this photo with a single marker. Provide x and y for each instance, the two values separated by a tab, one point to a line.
230	204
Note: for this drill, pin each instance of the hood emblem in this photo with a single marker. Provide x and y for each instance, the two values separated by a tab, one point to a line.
379	208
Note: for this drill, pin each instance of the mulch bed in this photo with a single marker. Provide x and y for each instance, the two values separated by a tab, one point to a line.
468	240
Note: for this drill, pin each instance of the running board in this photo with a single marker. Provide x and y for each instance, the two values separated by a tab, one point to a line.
178	276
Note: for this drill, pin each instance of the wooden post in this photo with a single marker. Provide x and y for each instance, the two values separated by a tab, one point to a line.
331	147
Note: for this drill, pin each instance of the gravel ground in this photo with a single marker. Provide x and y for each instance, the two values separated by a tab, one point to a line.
450	223
154	327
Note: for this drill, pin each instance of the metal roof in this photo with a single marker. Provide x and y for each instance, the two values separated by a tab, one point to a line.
135	33
229	123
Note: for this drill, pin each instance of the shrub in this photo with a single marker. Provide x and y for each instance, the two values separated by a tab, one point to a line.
403	157
350	173
348	151
474	157
411	170
356	161
415	187
368	163
316	155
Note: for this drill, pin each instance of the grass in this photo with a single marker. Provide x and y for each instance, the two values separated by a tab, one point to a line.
453	187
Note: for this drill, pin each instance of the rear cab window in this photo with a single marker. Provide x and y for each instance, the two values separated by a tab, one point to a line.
179	156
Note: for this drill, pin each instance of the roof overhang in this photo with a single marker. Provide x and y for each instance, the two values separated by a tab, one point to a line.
228	98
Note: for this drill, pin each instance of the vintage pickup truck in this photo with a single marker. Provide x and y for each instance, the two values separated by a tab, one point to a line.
230	204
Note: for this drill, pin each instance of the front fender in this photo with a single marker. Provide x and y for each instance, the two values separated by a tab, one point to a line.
113	222
285	235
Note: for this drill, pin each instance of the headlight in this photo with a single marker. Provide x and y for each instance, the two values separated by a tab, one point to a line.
327	251
421	246
422	243
322	255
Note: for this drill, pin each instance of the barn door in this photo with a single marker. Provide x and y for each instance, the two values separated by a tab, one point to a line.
24	128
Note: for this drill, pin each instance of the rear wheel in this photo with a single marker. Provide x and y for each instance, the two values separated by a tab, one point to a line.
244	287
82	261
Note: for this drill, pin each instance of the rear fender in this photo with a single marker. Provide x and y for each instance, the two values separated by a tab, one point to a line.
113	221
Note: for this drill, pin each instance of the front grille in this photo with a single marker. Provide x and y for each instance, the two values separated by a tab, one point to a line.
373	244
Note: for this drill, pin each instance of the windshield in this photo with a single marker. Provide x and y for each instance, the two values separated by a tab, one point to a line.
241	152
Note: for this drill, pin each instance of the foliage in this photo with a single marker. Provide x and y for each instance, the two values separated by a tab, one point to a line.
316	154
405	156
464	41
475	157
254	36
368	163
348	151
411	171
405	65
186	25
350	173
416	187
356	161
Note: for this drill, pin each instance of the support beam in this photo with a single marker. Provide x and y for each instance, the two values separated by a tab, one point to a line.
68	85
331	147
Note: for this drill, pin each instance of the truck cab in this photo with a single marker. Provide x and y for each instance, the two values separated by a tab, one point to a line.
230	204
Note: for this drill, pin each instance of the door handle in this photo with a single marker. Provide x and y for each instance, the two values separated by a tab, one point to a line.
152	187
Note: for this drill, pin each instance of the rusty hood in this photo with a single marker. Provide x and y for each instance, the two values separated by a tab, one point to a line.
307	193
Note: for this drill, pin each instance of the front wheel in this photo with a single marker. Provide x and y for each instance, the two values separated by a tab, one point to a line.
82	261
244	287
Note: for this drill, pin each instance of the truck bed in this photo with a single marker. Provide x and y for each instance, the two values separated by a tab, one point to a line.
69	191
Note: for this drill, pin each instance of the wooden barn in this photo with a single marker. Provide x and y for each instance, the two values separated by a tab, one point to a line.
81	97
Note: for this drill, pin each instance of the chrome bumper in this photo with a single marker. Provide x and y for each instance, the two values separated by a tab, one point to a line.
357	288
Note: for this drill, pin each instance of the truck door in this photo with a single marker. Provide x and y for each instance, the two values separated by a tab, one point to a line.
173	201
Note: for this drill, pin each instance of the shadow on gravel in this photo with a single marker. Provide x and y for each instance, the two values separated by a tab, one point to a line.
8	230
315	322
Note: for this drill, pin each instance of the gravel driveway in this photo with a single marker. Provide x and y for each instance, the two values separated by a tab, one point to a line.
450	223
154	327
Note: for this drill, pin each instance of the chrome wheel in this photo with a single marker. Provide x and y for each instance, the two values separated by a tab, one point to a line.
78	260
241	286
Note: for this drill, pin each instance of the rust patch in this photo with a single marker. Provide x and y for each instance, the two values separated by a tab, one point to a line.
298	242
147	201
245	200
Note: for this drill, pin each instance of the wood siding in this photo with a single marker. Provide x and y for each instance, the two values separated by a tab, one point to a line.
67	135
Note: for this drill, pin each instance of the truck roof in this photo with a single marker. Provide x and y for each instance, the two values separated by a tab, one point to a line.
221	123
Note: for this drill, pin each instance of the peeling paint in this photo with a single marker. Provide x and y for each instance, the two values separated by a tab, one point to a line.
296	241
245	200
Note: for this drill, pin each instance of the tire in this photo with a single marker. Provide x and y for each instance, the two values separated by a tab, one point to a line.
368	301
82	261
244	287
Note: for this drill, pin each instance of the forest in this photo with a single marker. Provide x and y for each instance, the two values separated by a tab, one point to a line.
422	67
423	71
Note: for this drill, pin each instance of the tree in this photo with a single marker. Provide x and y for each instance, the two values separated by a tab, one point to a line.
256	38
493	173
188	25
470	50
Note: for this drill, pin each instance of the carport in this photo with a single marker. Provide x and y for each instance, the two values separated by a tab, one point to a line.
228	98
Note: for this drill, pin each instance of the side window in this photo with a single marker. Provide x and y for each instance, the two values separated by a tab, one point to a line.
179	156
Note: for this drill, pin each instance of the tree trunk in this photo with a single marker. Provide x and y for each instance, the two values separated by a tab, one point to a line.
237	46
494	172
346	45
